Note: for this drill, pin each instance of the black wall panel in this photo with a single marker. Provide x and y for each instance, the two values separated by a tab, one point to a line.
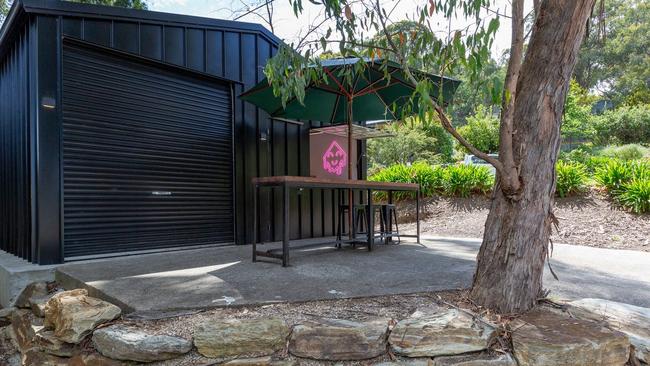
174	45
150	41
98	31
125	36
196	49
15	155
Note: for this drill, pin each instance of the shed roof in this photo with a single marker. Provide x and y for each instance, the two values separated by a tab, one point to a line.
66	8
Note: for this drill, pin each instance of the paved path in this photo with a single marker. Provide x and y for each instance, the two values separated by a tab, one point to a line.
225	275
618	275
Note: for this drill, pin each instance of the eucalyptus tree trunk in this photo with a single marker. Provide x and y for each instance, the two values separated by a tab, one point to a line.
511	260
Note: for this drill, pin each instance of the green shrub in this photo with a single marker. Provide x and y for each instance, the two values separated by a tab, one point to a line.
625	125
641	170
579	155
625	152
571	178
412	141
616	172
482	130
431	179
462	180
455	180
635	195
613	174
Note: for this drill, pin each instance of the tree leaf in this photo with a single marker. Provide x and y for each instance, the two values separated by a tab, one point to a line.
348	12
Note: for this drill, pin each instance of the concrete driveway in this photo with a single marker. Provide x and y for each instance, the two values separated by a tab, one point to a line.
226	276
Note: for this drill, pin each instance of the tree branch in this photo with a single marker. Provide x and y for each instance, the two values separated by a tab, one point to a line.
444	120
510	176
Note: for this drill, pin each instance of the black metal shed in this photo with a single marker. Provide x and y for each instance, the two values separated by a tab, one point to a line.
121	132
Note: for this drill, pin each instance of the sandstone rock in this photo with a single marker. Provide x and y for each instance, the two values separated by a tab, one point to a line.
93	359
259	361
12	359
542	338
241	338
413	362
439	333
9	354
34	289
37	303
633	321
45	341
475	360
24	327
124	343
5	316
73	314
336	339
36	358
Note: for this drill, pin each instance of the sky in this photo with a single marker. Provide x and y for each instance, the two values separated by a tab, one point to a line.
290	28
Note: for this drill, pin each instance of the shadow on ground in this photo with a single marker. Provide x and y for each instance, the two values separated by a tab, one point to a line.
226	276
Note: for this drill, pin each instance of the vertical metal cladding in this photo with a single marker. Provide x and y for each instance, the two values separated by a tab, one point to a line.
15	212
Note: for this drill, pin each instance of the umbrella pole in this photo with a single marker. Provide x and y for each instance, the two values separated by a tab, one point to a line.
350	194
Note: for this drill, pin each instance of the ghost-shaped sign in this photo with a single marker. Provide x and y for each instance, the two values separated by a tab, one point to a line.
335	159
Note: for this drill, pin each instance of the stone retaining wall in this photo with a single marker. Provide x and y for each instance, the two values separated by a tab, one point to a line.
52	327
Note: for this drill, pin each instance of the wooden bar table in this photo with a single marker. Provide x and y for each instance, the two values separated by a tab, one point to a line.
286	183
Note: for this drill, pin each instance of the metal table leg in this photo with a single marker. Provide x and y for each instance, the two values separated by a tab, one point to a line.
255	217
371	222
389	218
285	224
417	213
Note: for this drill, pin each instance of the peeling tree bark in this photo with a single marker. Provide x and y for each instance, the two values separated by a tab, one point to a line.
511	260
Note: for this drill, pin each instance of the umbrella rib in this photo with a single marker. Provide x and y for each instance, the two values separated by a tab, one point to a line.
385	105
341	88
366	89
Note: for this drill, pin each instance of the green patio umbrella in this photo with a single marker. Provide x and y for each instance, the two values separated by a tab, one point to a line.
370	95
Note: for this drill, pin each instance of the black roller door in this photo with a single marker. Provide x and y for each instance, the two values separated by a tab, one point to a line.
147	156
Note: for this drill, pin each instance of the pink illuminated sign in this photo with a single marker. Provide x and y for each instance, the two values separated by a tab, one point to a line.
335	159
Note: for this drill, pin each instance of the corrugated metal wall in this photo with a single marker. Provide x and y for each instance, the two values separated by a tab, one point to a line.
262	147
15	191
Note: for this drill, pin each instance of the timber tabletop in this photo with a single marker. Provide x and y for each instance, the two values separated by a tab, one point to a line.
299	181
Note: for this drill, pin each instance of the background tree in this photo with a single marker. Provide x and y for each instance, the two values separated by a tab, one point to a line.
578	122
510	264
4	10
614	58
413	141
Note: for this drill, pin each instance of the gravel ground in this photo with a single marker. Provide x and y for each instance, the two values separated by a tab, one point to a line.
590	220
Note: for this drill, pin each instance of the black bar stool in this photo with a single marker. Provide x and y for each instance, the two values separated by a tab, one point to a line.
388	217
360	221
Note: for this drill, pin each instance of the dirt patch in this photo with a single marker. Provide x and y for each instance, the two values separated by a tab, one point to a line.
591	220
